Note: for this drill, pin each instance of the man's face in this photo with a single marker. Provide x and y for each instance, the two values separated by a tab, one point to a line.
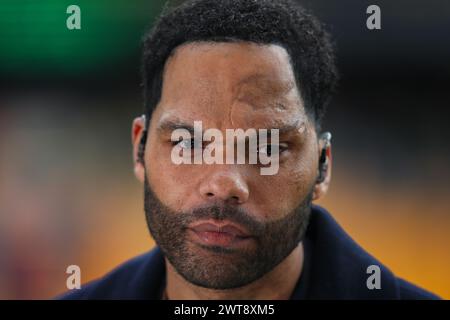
225	225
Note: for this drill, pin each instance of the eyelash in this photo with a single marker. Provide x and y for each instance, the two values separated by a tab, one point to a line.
282	148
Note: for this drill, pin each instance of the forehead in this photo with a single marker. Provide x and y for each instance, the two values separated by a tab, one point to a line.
230	83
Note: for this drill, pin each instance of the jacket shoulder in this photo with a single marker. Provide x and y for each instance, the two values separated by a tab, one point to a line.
409	291
348	266
137	278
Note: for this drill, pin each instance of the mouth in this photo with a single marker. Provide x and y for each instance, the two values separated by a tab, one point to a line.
223	234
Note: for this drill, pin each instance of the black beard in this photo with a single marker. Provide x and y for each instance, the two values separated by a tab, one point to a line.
218	267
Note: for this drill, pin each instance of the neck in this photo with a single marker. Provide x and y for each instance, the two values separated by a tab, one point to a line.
278	284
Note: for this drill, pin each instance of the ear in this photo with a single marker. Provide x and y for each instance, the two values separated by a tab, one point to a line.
321	188
137	131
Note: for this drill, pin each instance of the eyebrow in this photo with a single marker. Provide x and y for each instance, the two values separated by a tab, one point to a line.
288	128
171	125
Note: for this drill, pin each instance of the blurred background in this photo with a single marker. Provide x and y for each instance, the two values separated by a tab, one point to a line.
67	98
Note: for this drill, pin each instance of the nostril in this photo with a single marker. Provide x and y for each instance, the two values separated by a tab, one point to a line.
210	194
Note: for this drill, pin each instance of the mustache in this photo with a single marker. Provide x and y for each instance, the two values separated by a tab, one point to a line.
180	220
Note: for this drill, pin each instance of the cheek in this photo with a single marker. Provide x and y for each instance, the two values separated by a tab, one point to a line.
300	172
285	191
162	176
175	185
277	196
300	176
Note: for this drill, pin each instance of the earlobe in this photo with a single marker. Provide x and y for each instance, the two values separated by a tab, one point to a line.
324	168
316	192
138	139
321	187
139	171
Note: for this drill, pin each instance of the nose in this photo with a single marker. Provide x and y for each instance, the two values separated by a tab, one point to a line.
227	186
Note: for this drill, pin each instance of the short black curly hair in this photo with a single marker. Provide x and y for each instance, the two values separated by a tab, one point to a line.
281	22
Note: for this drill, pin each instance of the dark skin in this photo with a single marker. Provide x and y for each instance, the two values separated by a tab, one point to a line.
230	86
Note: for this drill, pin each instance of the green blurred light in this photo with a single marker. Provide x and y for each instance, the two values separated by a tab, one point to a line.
34	37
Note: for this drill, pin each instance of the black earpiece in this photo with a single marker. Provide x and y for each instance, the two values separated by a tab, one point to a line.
143	141
323	164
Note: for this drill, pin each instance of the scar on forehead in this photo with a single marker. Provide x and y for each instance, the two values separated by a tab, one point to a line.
261	90
266	83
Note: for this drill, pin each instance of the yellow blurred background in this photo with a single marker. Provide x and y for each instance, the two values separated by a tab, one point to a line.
67	100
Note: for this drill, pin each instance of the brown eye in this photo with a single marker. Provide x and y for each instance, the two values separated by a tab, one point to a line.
268	149
187	144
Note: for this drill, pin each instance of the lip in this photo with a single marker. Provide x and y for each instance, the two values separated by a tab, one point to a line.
220	227
224	234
